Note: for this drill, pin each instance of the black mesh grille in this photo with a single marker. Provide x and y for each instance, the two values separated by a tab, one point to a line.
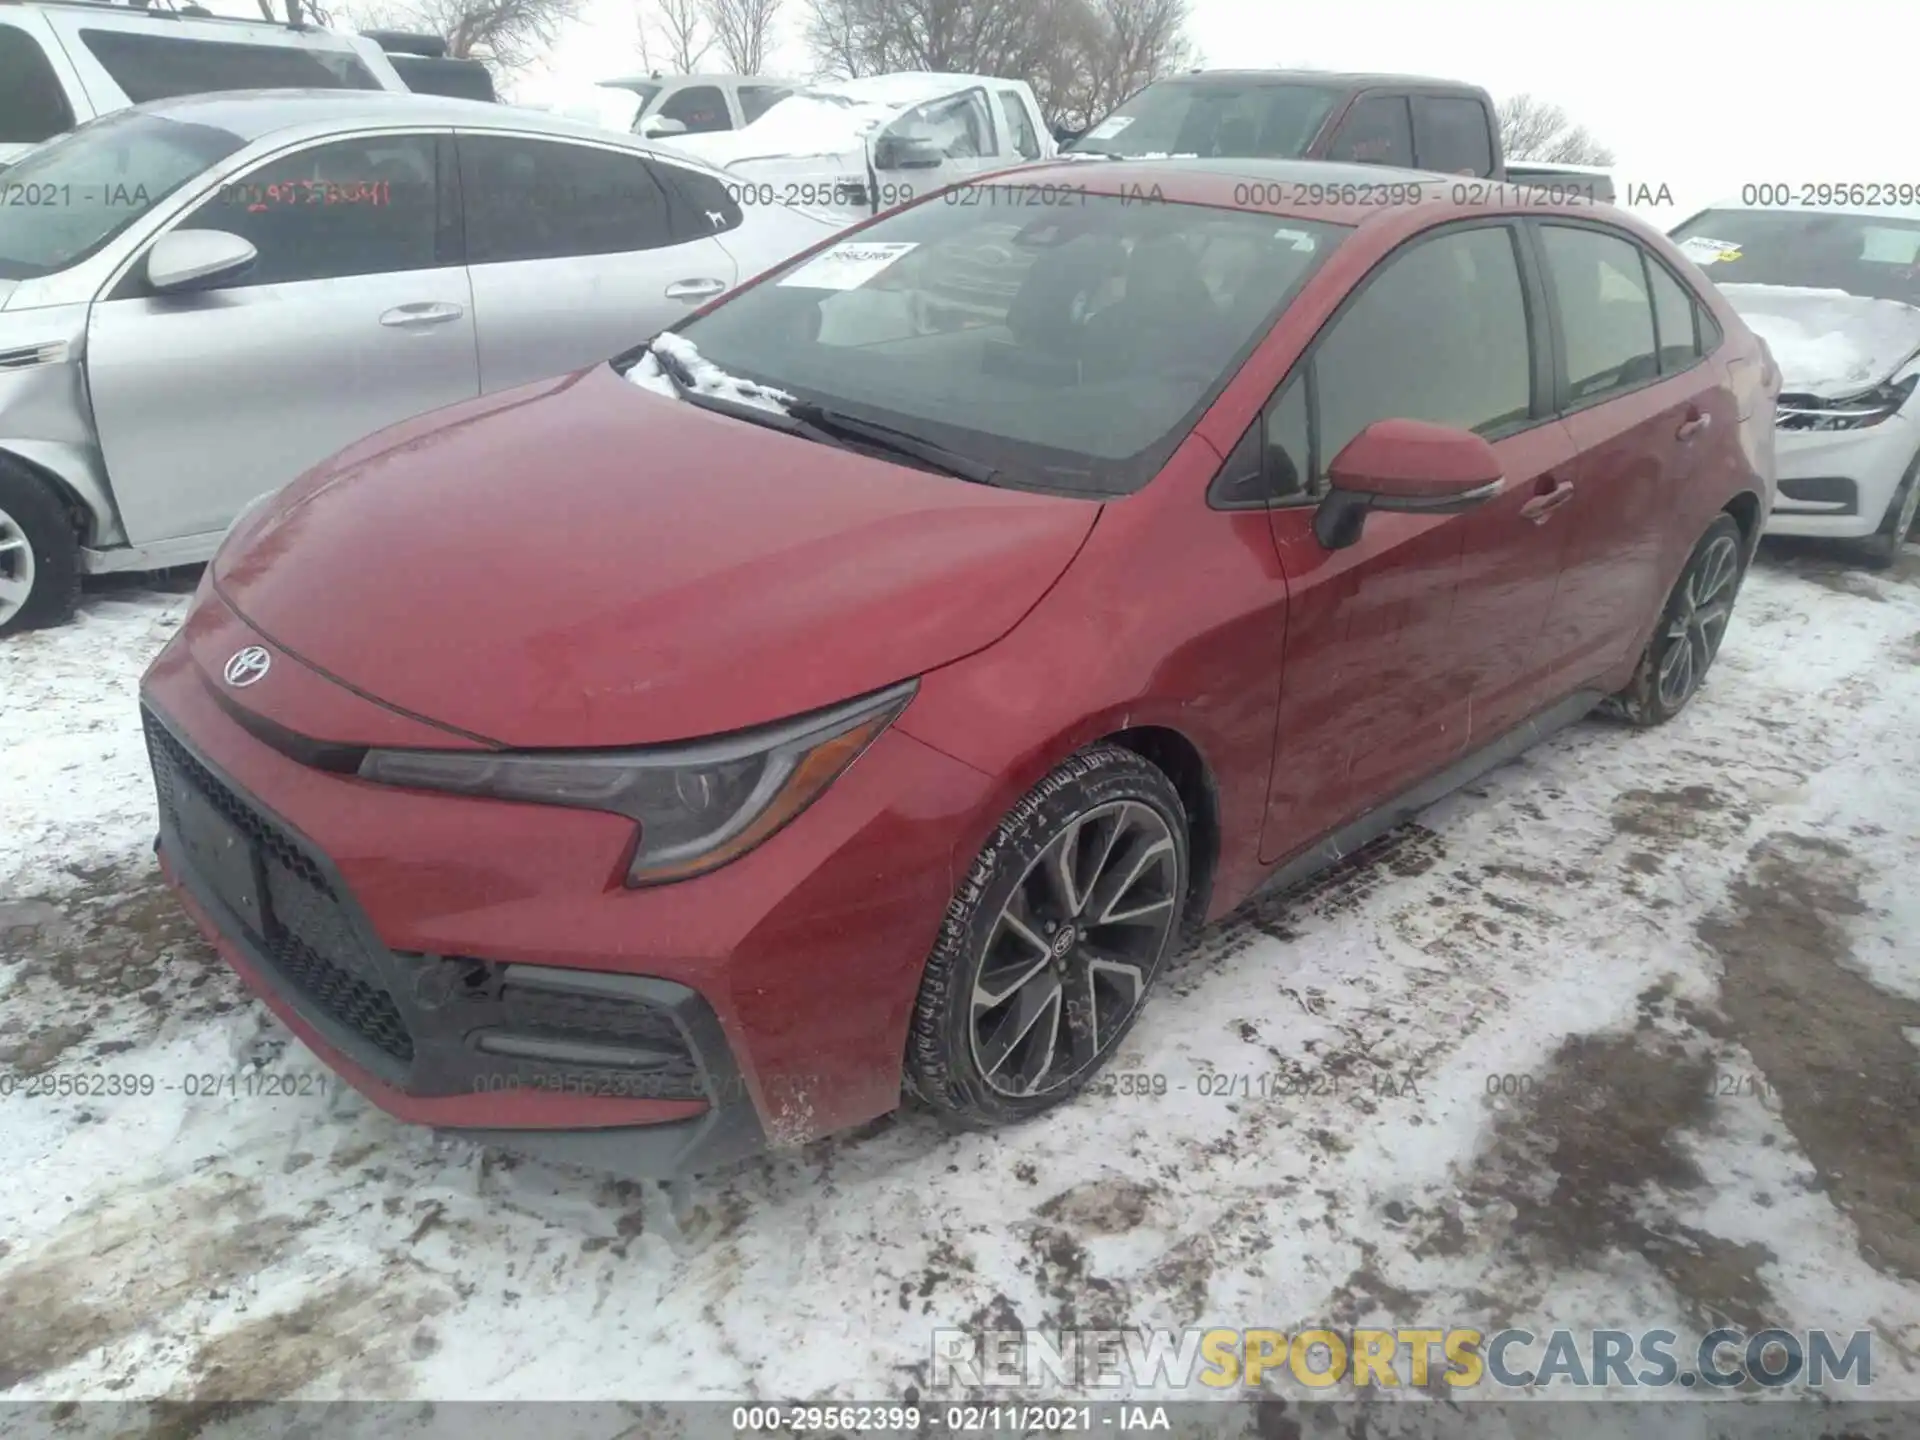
310	941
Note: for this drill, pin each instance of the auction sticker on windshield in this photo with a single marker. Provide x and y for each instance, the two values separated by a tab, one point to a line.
1702	251
847	267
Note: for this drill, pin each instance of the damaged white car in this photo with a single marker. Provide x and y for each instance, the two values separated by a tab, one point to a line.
855	147
1835	293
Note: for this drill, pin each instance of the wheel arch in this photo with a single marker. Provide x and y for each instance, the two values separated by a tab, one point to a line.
1177	757
68	472
1745	508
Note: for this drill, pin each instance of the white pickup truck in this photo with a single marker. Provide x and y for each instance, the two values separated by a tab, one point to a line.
859	146
62	62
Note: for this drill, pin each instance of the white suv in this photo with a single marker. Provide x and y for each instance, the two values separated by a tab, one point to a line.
62	62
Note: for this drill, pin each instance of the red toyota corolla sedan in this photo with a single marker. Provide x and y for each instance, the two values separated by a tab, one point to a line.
862	689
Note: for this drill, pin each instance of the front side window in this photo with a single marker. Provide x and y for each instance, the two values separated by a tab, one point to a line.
1013	109
548	199
32	104
1071	348
79	190
1378	130
366	206
1876	256
698	107
155	67
1606	316
1439	333
957	126
1216	118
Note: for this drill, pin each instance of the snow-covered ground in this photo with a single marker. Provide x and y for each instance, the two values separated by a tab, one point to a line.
1688	955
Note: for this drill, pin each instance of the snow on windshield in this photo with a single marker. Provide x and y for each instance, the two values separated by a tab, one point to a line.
1828	342
708	378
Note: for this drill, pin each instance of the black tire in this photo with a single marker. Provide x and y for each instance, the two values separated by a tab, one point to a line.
1884	547
1654	697
31	512
1101	786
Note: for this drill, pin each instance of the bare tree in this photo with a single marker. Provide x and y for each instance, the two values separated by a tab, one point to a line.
1533	129
743	30
684	33
508	34
1081	56
298	13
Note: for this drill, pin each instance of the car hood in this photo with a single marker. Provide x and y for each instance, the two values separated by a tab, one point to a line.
583	562
1828	343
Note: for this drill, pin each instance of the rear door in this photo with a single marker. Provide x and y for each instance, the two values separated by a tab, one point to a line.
576	252
1382	660
1644	410
356	315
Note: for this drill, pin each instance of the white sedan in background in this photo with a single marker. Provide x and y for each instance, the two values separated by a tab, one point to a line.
1835	293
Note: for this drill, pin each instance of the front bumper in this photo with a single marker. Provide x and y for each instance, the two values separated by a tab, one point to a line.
477	965
1839	483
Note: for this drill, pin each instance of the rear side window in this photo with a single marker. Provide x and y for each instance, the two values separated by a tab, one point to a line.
699	204
1019	127
32	104
1454	135
1378	130
698	107
367	206
547	199
756	100
1606	317
1396	352
1673	319
155	67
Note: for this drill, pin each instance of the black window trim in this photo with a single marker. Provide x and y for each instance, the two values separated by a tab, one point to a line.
128	282
1563	400
1541	365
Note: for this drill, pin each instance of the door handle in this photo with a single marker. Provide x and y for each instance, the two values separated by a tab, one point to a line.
1544	504
702	289
421	314
1692	425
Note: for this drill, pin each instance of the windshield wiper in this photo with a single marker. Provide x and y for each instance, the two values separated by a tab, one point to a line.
898	442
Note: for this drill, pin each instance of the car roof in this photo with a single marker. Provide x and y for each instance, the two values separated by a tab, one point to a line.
703	77
906	87
1343	79
255	114
1890	212
1343	194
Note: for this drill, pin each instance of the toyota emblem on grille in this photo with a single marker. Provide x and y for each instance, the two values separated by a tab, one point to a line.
247	666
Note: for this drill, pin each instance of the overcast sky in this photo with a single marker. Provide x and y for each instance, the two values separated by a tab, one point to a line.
1700	97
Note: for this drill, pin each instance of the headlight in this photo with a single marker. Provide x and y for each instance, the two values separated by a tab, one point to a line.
698	805
1870	407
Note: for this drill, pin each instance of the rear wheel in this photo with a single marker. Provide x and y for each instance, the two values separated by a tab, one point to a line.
1050	947
39	553
1691	627
1884	548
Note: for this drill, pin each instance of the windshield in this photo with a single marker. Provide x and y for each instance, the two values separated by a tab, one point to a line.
1877	256
1214	118
72	195
1067	348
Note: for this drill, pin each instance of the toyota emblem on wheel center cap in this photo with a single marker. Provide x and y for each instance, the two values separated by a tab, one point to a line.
247	665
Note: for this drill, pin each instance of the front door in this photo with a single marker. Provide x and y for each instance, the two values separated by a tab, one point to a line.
347	322
576	253
1387	650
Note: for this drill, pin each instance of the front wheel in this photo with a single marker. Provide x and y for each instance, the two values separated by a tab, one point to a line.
1884	547
1050	946
1691	628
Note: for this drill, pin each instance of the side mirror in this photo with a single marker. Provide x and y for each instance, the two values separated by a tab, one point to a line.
656	126
903	152
1405	465
185	260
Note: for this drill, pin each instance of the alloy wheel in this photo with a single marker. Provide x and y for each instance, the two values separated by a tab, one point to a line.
1693	634
16	567
1070	956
